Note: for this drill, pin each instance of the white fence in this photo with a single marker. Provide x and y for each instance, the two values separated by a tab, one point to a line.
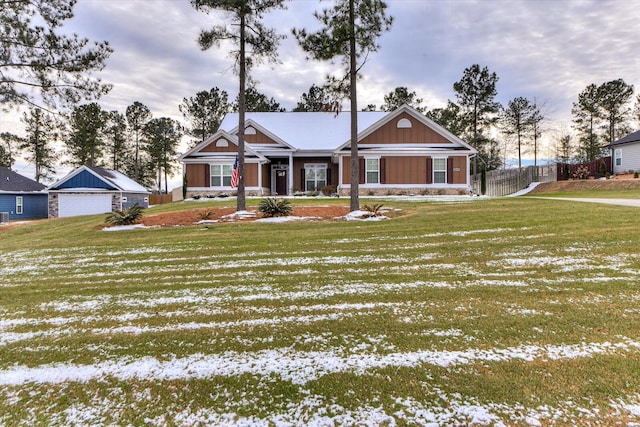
509	181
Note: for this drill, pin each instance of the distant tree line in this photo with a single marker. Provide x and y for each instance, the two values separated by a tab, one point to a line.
145	147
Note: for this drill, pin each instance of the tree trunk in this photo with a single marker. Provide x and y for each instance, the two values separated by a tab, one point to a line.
241	202
355	166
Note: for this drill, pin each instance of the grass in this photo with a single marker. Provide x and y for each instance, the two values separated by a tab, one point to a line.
506	311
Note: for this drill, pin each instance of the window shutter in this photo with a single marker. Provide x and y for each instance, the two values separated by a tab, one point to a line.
383	171
329	176
429	170
449	170
362	172
303	180
207	176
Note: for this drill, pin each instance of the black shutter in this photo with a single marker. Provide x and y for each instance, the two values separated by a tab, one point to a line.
383	171
329	175
303	181
449	170
429	170
362	171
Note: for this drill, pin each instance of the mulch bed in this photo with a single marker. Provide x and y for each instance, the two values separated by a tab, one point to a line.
189	217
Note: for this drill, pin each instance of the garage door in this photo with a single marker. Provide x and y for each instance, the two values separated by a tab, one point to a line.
83	204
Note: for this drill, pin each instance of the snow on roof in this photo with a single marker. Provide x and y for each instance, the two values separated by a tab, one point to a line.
308	130
118	180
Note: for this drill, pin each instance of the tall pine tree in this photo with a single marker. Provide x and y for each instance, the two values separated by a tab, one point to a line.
39	61
246	31
41	131
350	30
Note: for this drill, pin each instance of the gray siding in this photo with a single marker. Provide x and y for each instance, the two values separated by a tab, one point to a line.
133	198
630	158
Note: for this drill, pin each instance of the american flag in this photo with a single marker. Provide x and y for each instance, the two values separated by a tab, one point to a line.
234	174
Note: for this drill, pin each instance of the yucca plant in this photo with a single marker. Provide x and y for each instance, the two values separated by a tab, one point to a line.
374	209
272	206
126	216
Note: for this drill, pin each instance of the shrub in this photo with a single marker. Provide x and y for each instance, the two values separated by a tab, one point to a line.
271	207
582	172
329	190
125	216
204	215
635	174
374	209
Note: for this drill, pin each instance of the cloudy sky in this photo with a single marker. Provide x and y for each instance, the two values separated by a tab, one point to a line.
549	50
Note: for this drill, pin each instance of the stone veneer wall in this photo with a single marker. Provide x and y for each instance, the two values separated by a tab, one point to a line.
54	205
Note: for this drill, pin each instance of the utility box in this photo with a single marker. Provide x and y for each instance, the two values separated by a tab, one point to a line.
4	217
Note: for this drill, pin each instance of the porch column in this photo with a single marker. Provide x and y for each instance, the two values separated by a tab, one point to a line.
339	184
260	177
290	189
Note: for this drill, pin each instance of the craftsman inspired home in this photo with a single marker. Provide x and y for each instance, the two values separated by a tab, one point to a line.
625	153
21	197
91	190
400	152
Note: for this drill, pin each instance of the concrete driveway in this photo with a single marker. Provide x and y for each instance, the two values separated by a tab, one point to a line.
620	202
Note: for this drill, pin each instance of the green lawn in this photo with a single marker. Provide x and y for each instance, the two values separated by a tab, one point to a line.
511	311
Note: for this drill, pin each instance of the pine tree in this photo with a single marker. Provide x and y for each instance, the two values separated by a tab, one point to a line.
587	116
162	136
38	61
116	140
476	93
400	96
247	31
517	121
137	115
85	139
350	30
613	99
316	99
41	131
204	113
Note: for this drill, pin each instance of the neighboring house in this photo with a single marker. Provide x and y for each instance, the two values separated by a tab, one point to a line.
625	153
91	190
286	152
21	197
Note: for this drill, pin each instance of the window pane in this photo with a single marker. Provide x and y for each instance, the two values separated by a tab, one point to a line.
227	169
215	170
321	174
372	177
310	174
439	177
439	164
215	181
320	184
311	185
372	165
226	181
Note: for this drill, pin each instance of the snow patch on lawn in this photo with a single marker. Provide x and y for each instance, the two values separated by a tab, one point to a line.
297	367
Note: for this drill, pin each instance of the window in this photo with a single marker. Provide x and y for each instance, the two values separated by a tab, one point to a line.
315	176
404	124
221	175
18	205
439	171
373	171
618	156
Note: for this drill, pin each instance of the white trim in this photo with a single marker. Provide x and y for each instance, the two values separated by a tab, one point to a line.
20	206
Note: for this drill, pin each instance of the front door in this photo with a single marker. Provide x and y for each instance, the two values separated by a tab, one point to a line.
281	182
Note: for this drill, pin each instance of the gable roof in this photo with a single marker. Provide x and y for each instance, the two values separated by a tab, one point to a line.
309	131
11	182
632	137
305	131
388	117
219	134
113	179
